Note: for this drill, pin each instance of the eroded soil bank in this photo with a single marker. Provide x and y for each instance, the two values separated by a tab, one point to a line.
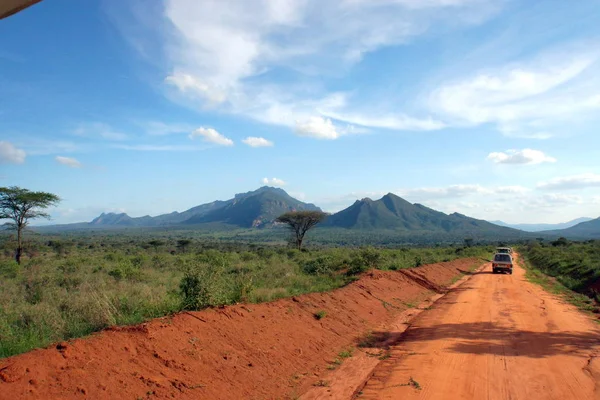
255	351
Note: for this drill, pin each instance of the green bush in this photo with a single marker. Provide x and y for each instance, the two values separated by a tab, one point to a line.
574	265
318	266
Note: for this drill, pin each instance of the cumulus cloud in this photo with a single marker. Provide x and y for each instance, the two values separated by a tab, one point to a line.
580	181
525	156
317	127
68	161
273	182
257	142
210	135
9	154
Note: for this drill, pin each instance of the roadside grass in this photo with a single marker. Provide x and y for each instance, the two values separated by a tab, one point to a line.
552	285
411	382
320	314
71	286
576	265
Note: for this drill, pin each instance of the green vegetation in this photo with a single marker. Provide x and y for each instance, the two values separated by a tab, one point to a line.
300	222
320	314
411	382
575	266
19	206
69	286
551	285
346	353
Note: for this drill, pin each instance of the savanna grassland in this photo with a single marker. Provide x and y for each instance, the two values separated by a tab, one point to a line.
573	265
69	286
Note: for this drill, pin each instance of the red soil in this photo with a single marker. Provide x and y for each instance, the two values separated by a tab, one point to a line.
252	351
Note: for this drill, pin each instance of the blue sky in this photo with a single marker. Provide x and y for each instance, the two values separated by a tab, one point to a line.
485	107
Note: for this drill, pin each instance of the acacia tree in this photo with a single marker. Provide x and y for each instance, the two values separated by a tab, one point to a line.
301	222
20	205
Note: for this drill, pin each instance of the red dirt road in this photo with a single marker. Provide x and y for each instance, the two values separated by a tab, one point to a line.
495	337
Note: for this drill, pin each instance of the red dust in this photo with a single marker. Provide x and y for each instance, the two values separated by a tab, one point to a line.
263	351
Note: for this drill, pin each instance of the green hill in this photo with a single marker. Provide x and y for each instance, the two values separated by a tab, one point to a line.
394	213
584	230
258	208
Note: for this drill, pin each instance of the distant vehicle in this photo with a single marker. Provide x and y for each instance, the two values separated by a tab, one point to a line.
504	250
502	263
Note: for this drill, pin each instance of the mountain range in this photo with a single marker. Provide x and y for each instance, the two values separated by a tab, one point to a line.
392	214
246	210
543	227
583	230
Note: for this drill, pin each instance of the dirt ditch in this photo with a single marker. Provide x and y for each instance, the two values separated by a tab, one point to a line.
274	350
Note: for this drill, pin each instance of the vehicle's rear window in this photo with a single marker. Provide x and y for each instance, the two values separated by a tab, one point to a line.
502	258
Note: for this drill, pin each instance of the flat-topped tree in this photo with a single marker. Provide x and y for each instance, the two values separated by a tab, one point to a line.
301	222
20	205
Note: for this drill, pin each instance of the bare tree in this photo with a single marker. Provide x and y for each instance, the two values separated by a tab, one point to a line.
20	205
301	222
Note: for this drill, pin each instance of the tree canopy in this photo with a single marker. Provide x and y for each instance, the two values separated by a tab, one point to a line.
301	222
21	205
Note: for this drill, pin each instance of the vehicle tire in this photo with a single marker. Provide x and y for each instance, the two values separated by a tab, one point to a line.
494	271
510	272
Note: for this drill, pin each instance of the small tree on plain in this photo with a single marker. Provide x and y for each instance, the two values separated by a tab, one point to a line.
300	222
20	205
182	244
156	243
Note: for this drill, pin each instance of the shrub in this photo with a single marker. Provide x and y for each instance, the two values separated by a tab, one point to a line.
320	314
125	270
318	266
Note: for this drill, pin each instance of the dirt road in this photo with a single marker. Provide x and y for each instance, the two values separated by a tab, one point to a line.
495	337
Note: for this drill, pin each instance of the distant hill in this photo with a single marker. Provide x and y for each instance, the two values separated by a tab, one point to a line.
253	209
583	230
543	227
390	219
257	208
394	213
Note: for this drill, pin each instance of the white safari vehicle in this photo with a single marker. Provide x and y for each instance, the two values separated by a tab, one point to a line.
502	263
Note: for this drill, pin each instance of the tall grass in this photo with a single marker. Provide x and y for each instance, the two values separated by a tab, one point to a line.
71	288
575	265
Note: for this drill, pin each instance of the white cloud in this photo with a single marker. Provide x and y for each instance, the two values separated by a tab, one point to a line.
532	99
44	146
525	156
158	128
317	127
389	121
452	191
210	135
9	154
580	181
257	142
68	161
151	147
273	182
101	130
511	189
228	55
187	83
560	198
